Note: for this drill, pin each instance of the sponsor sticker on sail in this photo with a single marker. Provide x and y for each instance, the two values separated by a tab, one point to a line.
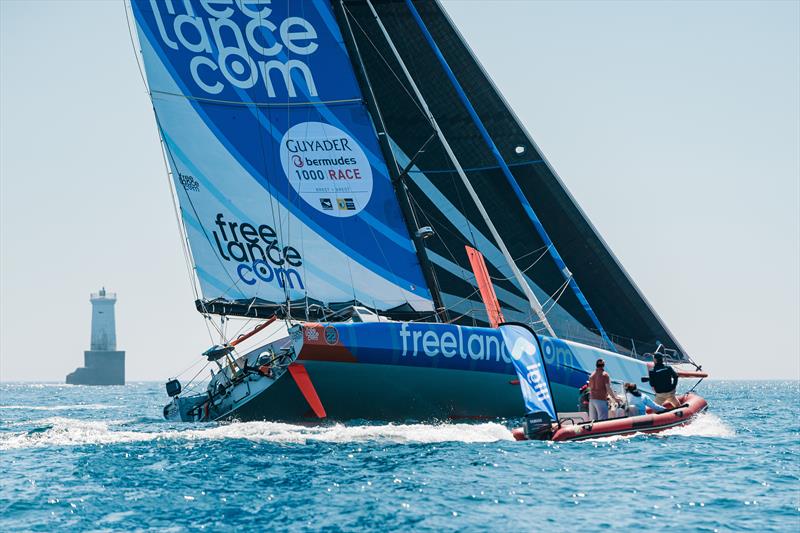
323	163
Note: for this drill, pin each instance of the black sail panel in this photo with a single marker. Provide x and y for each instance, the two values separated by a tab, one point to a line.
442	202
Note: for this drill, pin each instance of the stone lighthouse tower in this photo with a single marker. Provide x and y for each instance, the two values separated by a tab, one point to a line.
103	363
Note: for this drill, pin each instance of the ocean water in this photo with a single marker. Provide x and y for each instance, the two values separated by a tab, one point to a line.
82	458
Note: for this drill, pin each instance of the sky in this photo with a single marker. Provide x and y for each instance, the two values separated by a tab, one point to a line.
675	125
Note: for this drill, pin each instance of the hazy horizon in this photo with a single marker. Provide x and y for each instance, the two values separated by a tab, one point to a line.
675	126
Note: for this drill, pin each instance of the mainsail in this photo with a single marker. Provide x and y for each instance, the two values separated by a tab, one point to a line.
284	194
615	300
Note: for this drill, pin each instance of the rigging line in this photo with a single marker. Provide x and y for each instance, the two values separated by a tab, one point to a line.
478	169
439	224
433	274
526	269
274	172
388	265
278	220
388	66
191	366
463	210
523	256
258	104
197	374
534	303
181	228
262	342
443	226
134	48
236	335
413	100
490	144
449	252
210	320
266	162
189	199
396	175
208	330
469	313
553	298
464	271
451	306
183	234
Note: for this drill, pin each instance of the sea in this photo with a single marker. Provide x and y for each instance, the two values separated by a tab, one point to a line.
76	458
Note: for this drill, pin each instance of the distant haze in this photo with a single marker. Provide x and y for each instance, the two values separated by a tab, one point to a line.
675	125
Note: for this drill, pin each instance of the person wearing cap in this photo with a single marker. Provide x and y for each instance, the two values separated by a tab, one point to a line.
600	391
637	403
664	381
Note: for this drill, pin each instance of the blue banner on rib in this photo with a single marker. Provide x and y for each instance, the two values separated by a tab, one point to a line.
527	359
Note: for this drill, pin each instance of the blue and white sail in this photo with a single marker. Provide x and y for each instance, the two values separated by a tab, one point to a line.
283	190
527	358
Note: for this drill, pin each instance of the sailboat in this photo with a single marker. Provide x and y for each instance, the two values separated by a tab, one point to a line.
348	170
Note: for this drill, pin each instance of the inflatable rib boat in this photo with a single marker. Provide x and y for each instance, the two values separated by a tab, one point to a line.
573	428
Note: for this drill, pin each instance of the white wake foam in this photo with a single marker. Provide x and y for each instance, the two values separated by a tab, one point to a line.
76	407
703	425
71	432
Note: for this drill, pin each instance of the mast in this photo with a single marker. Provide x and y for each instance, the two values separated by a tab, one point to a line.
532	300
398	178
559	261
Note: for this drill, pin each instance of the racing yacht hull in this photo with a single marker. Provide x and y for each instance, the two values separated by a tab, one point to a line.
398	371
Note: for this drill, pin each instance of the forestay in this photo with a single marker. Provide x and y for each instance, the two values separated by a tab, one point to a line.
283	191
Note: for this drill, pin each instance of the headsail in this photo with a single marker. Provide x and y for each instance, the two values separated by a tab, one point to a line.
283	190
616	301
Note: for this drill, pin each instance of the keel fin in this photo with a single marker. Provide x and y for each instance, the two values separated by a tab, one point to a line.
303	381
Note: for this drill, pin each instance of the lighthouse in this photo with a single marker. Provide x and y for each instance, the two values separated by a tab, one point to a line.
103	363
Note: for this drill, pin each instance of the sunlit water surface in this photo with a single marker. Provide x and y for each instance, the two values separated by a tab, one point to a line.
101	458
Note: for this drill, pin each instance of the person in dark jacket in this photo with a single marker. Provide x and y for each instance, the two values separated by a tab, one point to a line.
664	381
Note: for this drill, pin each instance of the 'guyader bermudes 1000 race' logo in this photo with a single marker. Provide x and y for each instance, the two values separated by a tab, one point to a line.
247	48
258	254
327	168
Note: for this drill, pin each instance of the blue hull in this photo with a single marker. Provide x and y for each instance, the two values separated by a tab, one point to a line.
380	372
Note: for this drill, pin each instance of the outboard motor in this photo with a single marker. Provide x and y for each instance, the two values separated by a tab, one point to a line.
173	388
538	426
